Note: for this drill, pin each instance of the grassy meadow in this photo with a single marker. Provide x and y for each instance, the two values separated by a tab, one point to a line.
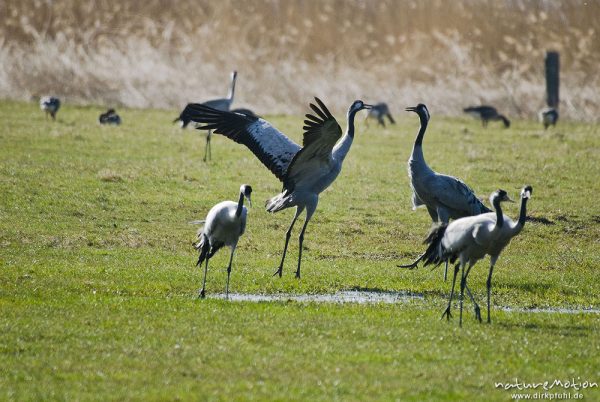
98	282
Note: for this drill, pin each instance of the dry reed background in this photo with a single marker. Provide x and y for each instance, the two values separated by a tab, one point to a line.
162	54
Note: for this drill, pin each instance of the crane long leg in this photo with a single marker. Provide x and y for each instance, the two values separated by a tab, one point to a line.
446	271
477	309
447	311
202	294
287	240
489	290
229	273
207	147
462	291
309	212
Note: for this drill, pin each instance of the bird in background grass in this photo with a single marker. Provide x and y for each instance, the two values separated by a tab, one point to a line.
548	117
445	197
223	104
224	225
486	114
305	171
50	105
110	118
379	111
472	238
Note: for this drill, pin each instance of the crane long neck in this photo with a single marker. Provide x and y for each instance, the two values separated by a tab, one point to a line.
238	211
341	149
417	151
232	89
499	214
523	213
419	139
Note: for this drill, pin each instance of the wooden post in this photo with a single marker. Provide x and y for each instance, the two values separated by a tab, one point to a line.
552	78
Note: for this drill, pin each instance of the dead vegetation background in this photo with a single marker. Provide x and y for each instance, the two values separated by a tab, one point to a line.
162	54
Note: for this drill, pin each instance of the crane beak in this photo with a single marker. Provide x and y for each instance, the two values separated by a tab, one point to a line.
367	106
249	201
411	109
509	199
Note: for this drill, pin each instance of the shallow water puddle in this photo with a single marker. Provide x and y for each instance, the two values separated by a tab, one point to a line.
556	310
373	297
346	296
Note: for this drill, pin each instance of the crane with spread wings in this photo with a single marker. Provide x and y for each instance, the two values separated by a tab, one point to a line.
304	171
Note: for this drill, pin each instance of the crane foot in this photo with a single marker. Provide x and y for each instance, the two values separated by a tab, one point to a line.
446	314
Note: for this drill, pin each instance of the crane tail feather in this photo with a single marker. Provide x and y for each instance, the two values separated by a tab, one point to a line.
203	246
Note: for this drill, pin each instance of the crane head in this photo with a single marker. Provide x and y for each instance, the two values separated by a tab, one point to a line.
246	190
359	105
526	192
421	110
499	196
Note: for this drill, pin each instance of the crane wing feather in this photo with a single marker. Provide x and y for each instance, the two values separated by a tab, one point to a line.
455	195
321	132
270	145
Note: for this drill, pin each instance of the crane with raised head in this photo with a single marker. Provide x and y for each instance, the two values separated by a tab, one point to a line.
445	197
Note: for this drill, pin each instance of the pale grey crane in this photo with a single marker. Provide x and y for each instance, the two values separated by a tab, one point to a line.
224	225
467	239
379	111
110	118
445	197
548	117
223	104
486	114
509	230
50	105
305	171
472	238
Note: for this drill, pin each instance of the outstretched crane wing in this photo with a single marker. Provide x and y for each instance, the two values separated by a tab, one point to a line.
321	132
270	145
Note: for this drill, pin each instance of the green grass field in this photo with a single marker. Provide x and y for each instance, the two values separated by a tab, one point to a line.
98	282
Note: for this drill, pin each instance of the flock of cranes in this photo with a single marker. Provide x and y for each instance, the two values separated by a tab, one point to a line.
307	170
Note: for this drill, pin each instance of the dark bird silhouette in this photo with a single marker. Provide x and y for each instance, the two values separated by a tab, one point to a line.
486	114
379	111
110	118
50	105
548	117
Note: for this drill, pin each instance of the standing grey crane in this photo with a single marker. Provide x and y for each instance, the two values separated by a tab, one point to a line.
548	117
50	105
379	111
467	239
445	197
486	114
223	104
224	225
110	118
509	230
305	171
470	239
